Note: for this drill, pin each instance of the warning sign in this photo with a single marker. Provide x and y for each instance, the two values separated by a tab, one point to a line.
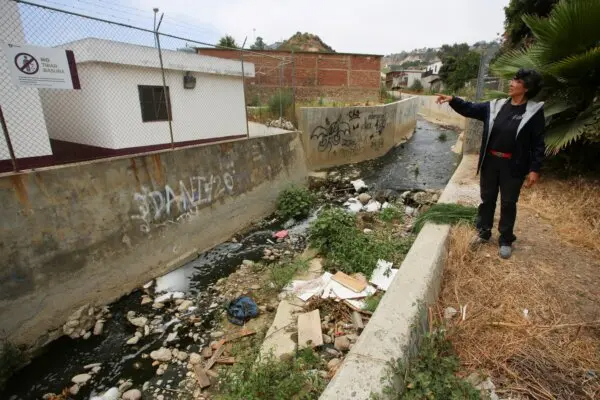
42	67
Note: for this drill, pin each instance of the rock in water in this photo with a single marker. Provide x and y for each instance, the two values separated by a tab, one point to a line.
133	340
182	355
81	378
342	343
110	394
139	321
163	354
98	327
133	394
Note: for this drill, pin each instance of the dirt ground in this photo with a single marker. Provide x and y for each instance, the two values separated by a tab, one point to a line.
532	323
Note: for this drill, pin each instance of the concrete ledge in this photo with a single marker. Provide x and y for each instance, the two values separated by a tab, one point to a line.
393	333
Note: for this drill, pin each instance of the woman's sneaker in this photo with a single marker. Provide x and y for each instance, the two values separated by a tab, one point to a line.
505	251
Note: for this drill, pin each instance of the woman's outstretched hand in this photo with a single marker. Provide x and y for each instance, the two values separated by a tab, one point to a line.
442	98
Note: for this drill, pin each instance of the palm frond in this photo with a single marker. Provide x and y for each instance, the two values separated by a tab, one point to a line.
571	67
509	63
560	136
571	28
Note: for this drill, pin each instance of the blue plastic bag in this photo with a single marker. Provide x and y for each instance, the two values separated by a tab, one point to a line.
241	310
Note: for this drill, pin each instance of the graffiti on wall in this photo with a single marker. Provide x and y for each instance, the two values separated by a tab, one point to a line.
351	132
173	203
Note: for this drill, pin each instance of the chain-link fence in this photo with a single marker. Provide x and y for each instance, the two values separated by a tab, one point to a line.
123	90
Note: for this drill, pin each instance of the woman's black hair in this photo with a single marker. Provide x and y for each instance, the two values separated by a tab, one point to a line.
532	81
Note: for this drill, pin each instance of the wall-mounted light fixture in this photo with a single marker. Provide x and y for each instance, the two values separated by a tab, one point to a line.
189	81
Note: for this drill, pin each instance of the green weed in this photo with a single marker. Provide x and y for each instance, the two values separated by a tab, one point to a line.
442	137
269	378
371	302
282	274
392	213
350	250
294	202
432	373
443	213
281	102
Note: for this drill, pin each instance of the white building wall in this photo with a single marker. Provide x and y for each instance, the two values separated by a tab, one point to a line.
81	116
21	106
106	112
412	77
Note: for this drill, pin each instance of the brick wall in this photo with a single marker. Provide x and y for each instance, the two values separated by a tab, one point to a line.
335	76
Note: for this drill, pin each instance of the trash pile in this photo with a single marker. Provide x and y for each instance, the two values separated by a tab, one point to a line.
336	310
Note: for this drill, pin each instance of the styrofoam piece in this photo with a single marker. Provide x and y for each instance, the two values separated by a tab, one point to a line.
306	289
383	275
359	185
372	206
339	291
353	205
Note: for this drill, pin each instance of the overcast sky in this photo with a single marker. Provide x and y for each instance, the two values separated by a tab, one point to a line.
366	26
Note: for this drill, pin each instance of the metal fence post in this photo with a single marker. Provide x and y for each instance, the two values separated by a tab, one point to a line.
8	142
294	89
244	90
164	80
280	90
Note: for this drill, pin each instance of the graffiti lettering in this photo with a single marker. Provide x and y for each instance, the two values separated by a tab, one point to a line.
156	207
354	114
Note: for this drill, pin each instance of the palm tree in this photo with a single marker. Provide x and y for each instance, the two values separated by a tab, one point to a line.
566	51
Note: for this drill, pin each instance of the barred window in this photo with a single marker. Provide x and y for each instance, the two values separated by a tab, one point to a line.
153	103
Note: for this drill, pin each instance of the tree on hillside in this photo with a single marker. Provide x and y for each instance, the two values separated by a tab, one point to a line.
259	44
227	41
456	50
566	51
459	65
516	30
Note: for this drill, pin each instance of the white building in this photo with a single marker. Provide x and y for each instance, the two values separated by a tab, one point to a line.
21	106
122	104
435	67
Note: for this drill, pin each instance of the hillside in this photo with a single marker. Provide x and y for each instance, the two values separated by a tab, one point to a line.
305	42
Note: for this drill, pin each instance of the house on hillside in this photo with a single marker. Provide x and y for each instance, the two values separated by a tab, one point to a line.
123	108
345	77
435	67
401	78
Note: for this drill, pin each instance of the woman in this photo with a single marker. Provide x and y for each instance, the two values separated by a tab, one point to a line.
512	150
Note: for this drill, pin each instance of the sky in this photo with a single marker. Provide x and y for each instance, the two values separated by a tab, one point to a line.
366	26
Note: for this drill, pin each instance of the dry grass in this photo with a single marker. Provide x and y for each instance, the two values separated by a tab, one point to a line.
571	206
553	352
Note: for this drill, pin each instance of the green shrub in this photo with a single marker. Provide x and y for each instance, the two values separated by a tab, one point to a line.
270	378
432	373
443	213
295	202
392	213
350	250
282	101
330	224
417	85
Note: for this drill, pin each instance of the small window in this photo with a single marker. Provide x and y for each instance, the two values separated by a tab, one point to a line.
153	103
